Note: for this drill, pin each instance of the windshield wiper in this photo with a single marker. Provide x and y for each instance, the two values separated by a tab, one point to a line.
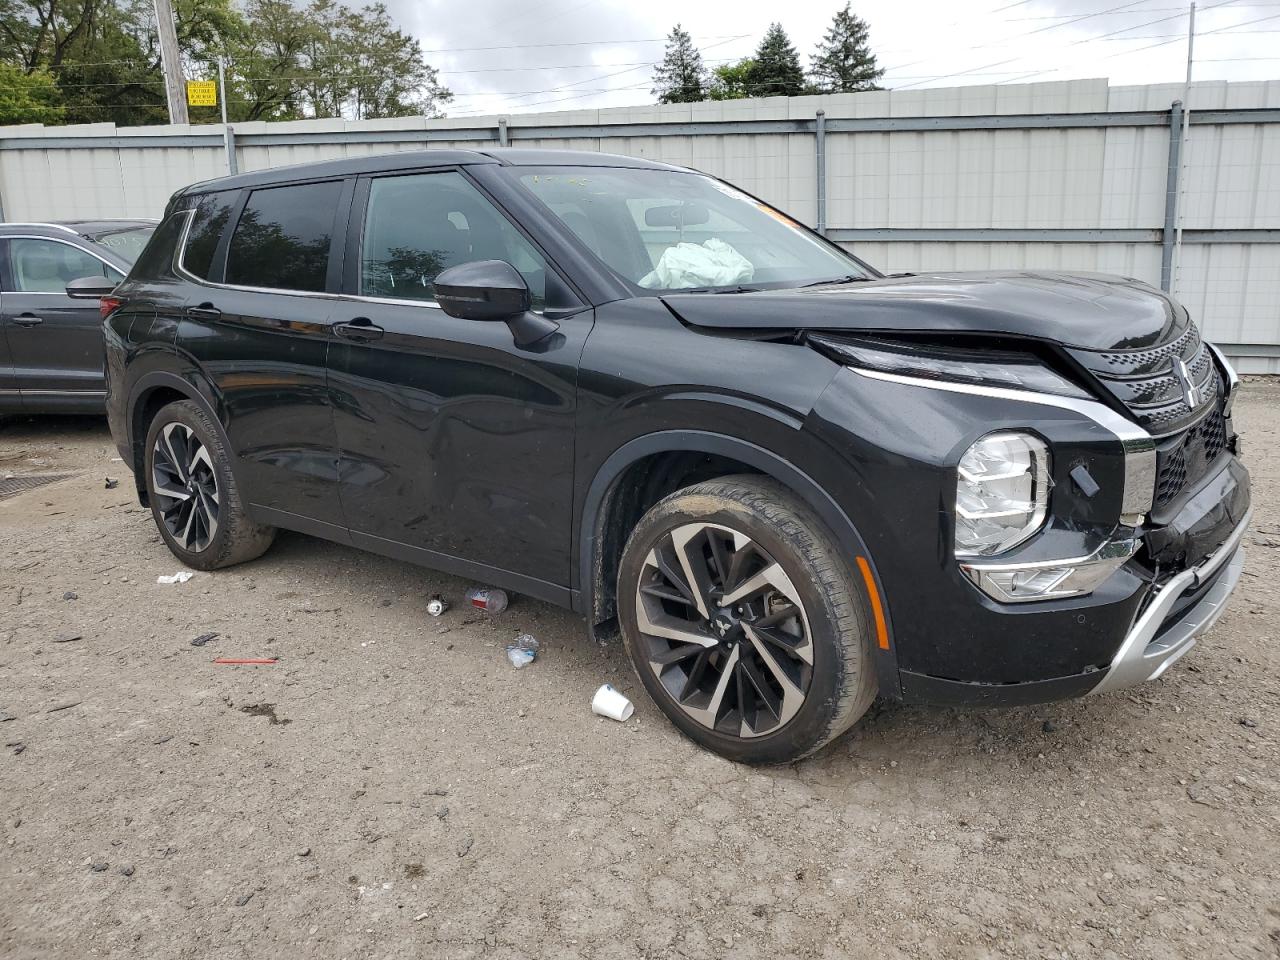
736	289
847	278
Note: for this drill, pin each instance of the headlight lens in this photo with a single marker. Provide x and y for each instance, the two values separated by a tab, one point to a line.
1009	369
1002	493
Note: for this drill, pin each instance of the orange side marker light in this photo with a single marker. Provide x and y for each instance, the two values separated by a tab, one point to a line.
877	609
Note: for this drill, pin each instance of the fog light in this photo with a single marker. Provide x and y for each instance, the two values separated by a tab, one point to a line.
1002	493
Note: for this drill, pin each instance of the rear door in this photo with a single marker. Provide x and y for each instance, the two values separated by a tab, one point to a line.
10	396
257	323
55	342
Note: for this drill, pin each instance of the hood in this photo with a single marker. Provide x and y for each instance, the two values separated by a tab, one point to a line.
1085	311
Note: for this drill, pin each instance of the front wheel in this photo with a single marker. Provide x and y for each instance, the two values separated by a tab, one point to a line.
744	622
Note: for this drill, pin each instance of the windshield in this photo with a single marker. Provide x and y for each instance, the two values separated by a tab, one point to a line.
127	243
664	230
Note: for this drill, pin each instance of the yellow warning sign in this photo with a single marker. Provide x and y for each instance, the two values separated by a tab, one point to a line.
202	93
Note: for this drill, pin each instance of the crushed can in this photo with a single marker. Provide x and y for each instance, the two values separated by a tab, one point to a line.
437	605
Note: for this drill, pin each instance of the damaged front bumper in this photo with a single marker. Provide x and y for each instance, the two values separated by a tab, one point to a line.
1166	629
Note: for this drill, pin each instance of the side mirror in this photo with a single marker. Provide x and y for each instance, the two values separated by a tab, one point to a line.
489	290
482	290
90	288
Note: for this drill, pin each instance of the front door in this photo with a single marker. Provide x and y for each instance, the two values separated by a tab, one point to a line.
55	342
455	444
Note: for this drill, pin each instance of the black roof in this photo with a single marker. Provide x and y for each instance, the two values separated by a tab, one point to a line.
418	159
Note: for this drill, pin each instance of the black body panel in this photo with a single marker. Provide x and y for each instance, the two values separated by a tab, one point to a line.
1091	312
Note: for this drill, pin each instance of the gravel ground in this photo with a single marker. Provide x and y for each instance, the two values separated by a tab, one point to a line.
393	788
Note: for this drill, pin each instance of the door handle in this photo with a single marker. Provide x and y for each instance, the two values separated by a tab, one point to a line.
206	311
28	320
361	330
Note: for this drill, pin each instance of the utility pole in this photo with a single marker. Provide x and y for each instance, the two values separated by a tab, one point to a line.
228	134
1186	130
222	88
171	62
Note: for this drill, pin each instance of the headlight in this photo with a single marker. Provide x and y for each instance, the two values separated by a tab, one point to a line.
1009	369
1002	493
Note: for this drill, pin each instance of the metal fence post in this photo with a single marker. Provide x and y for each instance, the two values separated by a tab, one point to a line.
229	141
503	137
1171	196
820	151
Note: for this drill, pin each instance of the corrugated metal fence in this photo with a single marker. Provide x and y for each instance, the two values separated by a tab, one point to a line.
1074	176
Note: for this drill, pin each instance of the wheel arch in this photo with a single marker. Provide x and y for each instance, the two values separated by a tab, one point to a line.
151	392
596	570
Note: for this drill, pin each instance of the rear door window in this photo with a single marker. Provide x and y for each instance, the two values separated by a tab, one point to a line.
207	224
283	237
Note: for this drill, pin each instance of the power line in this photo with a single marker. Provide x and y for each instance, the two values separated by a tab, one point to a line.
1005	40
1164	43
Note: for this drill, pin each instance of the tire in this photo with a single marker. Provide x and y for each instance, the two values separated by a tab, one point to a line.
772	551
193	494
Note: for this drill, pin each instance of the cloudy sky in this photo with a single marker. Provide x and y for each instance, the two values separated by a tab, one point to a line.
512	56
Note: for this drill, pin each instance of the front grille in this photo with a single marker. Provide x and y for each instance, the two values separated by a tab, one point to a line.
1149	384
1185	459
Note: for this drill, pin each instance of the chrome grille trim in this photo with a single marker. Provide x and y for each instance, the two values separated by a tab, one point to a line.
1150	387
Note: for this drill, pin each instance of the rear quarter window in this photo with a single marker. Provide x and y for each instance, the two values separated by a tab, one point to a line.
156	259
282	239
207	225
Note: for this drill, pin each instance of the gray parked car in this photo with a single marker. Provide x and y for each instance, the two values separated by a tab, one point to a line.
51	345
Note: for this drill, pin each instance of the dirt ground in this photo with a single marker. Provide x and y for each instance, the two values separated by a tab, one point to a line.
393	788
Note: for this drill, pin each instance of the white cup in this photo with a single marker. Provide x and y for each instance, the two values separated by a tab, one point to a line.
608	702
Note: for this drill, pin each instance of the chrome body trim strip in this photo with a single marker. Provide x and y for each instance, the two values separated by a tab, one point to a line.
1232	378
37	223
62	393
1141	656
1094	569
1139	448
181	270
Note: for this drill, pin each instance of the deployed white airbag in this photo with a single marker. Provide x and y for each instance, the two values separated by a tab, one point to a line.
710	264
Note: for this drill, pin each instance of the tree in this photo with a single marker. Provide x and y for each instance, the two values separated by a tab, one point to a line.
28	98
777	71
287	61
681	77
843	62
732	81
103	54
329	60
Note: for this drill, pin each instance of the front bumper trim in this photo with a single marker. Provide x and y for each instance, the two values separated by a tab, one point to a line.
1144	655
1062	578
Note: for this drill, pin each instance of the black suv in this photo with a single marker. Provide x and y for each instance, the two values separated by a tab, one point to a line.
634	390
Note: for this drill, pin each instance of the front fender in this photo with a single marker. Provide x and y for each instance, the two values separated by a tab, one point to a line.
591	534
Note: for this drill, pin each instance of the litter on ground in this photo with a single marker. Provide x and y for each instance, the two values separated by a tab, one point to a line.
522	650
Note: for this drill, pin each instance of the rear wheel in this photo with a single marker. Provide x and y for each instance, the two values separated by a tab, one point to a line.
193	494
743	622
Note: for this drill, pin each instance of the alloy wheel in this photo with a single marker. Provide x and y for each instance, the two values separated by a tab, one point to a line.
724	630
185	486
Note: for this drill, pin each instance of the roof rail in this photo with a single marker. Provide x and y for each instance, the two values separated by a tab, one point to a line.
51	226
